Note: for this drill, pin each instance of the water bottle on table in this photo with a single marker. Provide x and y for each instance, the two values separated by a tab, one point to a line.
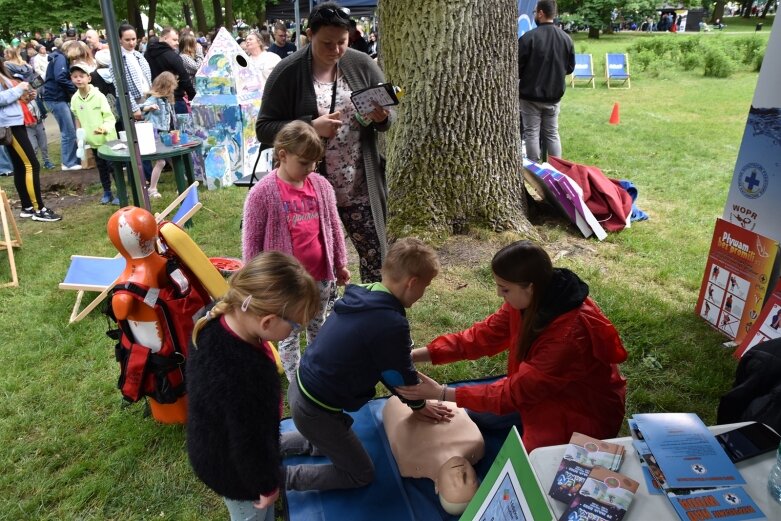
774	481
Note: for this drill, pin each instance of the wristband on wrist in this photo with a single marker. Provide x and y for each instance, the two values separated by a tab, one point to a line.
442	395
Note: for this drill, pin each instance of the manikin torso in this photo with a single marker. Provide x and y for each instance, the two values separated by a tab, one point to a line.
133	231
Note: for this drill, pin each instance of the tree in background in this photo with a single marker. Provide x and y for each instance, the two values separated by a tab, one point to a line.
453	154
597	15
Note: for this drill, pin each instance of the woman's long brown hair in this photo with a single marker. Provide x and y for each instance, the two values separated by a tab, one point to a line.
525	263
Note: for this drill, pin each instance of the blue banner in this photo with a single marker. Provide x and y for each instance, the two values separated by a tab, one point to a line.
526	16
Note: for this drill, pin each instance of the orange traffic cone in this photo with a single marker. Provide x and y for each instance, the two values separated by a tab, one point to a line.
614	118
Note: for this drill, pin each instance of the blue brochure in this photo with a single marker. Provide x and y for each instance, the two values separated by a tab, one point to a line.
686	451
731	503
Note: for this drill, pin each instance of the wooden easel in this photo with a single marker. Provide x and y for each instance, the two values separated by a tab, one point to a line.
8	243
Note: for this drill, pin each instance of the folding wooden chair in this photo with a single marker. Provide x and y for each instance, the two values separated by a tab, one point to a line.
617	69
8	242
584	71
100	274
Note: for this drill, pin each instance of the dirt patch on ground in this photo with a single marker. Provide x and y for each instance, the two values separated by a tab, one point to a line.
63	189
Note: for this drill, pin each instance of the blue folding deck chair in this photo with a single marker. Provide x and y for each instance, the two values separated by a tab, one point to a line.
584	71
617	69
99	274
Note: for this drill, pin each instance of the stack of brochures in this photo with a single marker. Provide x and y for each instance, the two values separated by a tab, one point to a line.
587	480
682	460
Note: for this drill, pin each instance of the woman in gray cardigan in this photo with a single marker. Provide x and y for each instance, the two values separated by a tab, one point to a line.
314	85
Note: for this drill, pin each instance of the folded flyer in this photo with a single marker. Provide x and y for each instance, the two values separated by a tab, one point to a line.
581	455
605	496
686	451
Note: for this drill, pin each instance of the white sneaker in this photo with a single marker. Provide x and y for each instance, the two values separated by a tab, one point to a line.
74	167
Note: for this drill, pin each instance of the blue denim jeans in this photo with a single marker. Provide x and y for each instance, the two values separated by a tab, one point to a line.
5	161
62	113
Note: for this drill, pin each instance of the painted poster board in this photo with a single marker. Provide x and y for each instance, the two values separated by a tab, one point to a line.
737	275
510	490
225	110
767	326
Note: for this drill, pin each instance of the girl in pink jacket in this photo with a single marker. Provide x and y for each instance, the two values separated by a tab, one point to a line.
293	210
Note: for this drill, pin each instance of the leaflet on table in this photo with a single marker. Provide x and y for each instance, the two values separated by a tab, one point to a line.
767	325
510	490
581	455
686	451
605	496
731	503
651	482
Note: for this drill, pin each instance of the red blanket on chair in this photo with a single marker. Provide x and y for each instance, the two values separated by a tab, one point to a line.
606	199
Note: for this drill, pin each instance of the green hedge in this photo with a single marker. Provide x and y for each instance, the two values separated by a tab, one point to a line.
718	56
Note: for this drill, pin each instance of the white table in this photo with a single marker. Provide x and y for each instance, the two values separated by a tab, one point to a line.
645	507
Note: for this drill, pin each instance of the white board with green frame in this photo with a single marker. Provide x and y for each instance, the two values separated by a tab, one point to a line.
510	490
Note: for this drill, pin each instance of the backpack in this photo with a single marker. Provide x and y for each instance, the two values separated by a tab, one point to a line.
178	306
756	393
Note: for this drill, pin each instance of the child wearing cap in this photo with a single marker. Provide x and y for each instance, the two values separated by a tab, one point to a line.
93	114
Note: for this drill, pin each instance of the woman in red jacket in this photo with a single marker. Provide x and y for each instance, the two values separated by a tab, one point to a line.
562	373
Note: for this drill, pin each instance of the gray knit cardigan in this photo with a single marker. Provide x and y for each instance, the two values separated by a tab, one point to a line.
290	94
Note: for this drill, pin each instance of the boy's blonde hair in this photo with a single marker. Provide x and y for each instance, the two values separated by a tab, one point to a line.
165	82
273	283
410	257
301	139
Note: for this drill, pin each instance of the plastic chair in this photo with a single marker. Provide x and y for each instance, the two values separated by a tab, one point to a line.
617	70
87	273
584	71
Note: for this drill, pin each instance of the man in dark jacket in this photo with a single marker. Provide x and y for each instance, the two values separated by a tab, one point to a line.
545	57
162	56
57	93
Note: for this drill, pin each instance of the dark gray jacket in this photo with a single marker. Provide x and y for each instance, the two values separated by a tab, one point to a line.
289	94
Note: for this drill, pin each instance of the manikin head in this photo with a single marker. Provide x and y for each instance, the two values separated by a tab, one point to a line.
456	485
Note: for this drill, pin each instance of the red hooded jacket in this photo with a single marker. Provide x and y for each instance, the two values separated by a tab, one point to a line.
569	381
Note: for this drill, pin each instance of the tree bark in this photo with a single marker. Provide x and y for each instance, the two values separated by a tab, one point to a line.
218	19
229	20
200	16
453	154
718	12
134	17
260	14
593	32
766	9
188	15
152	14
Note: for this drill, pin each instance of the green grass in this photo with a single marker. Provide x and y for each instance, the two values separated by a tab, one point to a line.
740	24
71	451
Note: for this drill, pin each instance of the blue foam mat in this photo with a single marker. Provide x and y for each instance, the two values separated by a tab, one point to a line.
390	497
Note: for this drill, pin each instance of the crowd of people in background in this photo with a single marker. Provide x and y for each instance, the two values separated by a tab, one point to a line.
42	61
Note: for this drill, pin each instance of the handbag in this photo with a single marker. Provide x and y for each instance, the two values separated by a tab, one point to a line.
6	136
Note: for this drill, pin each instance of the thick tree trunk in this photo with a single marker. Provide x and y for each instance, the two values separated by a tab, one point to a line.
218	19
229	19
200	16
593	32
453	154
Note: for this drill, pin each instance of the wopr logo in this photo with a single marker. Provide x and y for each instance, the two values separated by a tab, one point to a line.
752	180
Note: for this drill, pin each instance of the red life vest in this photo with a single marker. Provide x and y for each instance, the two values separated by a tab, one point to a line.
159	375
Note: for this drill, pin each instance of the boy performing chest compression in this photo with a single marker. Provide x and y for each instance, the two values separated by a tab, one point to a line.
365	340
